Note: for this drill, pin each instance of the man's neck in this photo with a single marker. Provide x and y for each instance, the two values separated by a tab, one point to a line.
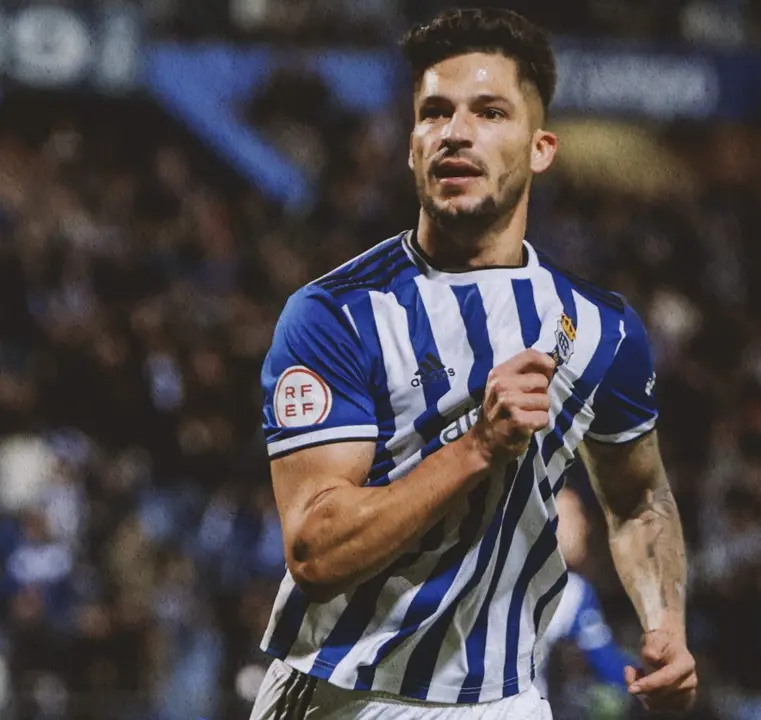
497	246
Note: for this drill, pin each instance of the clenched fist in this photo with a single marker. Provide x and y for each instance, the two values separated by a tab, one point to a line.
516	404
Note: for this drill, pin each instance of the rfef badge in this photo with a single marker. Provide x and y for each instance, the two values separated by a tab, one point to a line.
564	337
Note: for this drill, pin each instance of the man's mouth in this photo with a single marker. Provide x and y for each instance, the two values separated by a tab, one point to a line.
456	169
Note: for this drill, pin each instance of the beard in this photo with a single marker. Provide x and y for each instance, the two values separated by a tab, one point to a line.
479	217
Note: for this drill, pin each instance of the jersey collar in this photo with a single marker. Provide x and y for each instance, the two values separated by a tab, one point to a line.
468	277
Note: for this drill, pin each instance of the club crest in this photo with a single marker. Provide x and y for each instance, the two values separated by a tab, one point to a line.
564	339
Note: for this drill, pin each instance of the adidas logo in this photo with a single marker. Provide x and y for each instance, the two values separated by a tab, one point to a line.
431	369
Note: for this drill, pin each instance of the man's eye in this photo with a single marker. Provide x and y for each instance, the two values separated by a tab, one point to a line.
431	113
493	114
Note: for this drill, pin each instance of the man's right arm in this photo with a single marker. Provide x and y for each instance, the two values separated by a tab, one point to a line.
338	533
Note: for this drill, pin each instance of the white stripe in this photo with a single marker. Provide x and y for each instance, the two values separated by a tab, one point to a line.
348	314
625	435
406	465
451	338
286	586
502	323
315	628
347	432
542	581
319	621
549	307
562	621
544	643
407	402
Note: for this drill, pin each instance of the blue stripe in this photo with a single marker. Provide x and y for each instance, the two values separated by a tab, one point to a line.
381	279
474	318
371	273
430	596
542	604
531	325
565	292
423	342
429	425
287	629
594	294
363	266
475	645
540	552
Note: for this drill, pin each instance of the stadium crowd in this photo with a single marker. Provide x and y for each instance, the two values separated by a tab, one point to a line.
139	286
718	23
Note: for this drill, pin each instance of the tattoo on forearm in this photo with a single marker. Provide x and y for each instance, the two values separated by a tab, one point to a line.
658	501
654	578
644	527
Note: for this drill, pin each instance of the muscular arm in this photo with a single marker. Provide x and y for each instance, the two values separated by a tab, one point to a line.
644	528
339	534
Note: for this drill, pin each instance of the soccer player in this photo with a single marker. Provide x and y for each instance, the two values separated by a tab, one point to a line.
422	403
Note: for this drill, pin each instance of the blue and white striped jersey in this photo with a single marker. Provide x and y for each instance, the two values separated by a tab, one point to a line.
389	349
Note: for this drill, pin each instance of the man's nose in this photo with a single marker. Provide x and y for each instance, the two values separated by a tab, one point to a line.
458	132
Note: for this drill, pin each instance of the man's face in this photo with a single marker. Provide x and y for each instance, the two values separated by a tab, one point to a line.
471	147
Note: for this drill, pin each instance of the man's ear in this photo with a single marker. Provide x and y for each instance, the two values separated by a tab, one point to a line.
543	149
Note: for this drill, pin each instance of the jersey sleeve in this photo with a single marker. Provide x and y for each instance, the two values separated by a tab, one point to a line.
315	378
624	404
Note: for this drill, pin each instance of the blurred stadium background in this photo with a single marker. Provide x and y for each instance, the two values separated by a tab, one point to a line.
170	171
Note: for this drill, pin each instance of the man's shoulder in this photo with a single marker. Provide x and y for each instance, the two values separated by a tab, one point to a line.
374	269
594	293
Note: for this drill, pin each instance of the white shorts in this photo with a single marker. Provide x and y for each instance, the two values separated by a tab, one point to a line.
287	694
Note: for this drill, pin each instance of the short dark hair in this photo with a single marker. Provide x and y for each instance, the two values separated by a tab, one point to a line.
491	30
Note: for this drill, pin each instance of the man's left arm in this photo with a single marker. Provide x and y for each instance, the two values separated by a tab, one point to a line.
621	453
624	462
647	546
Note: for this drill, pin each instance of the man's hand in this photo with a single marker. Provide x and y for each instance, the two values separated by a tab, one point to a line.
671	686
516	404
